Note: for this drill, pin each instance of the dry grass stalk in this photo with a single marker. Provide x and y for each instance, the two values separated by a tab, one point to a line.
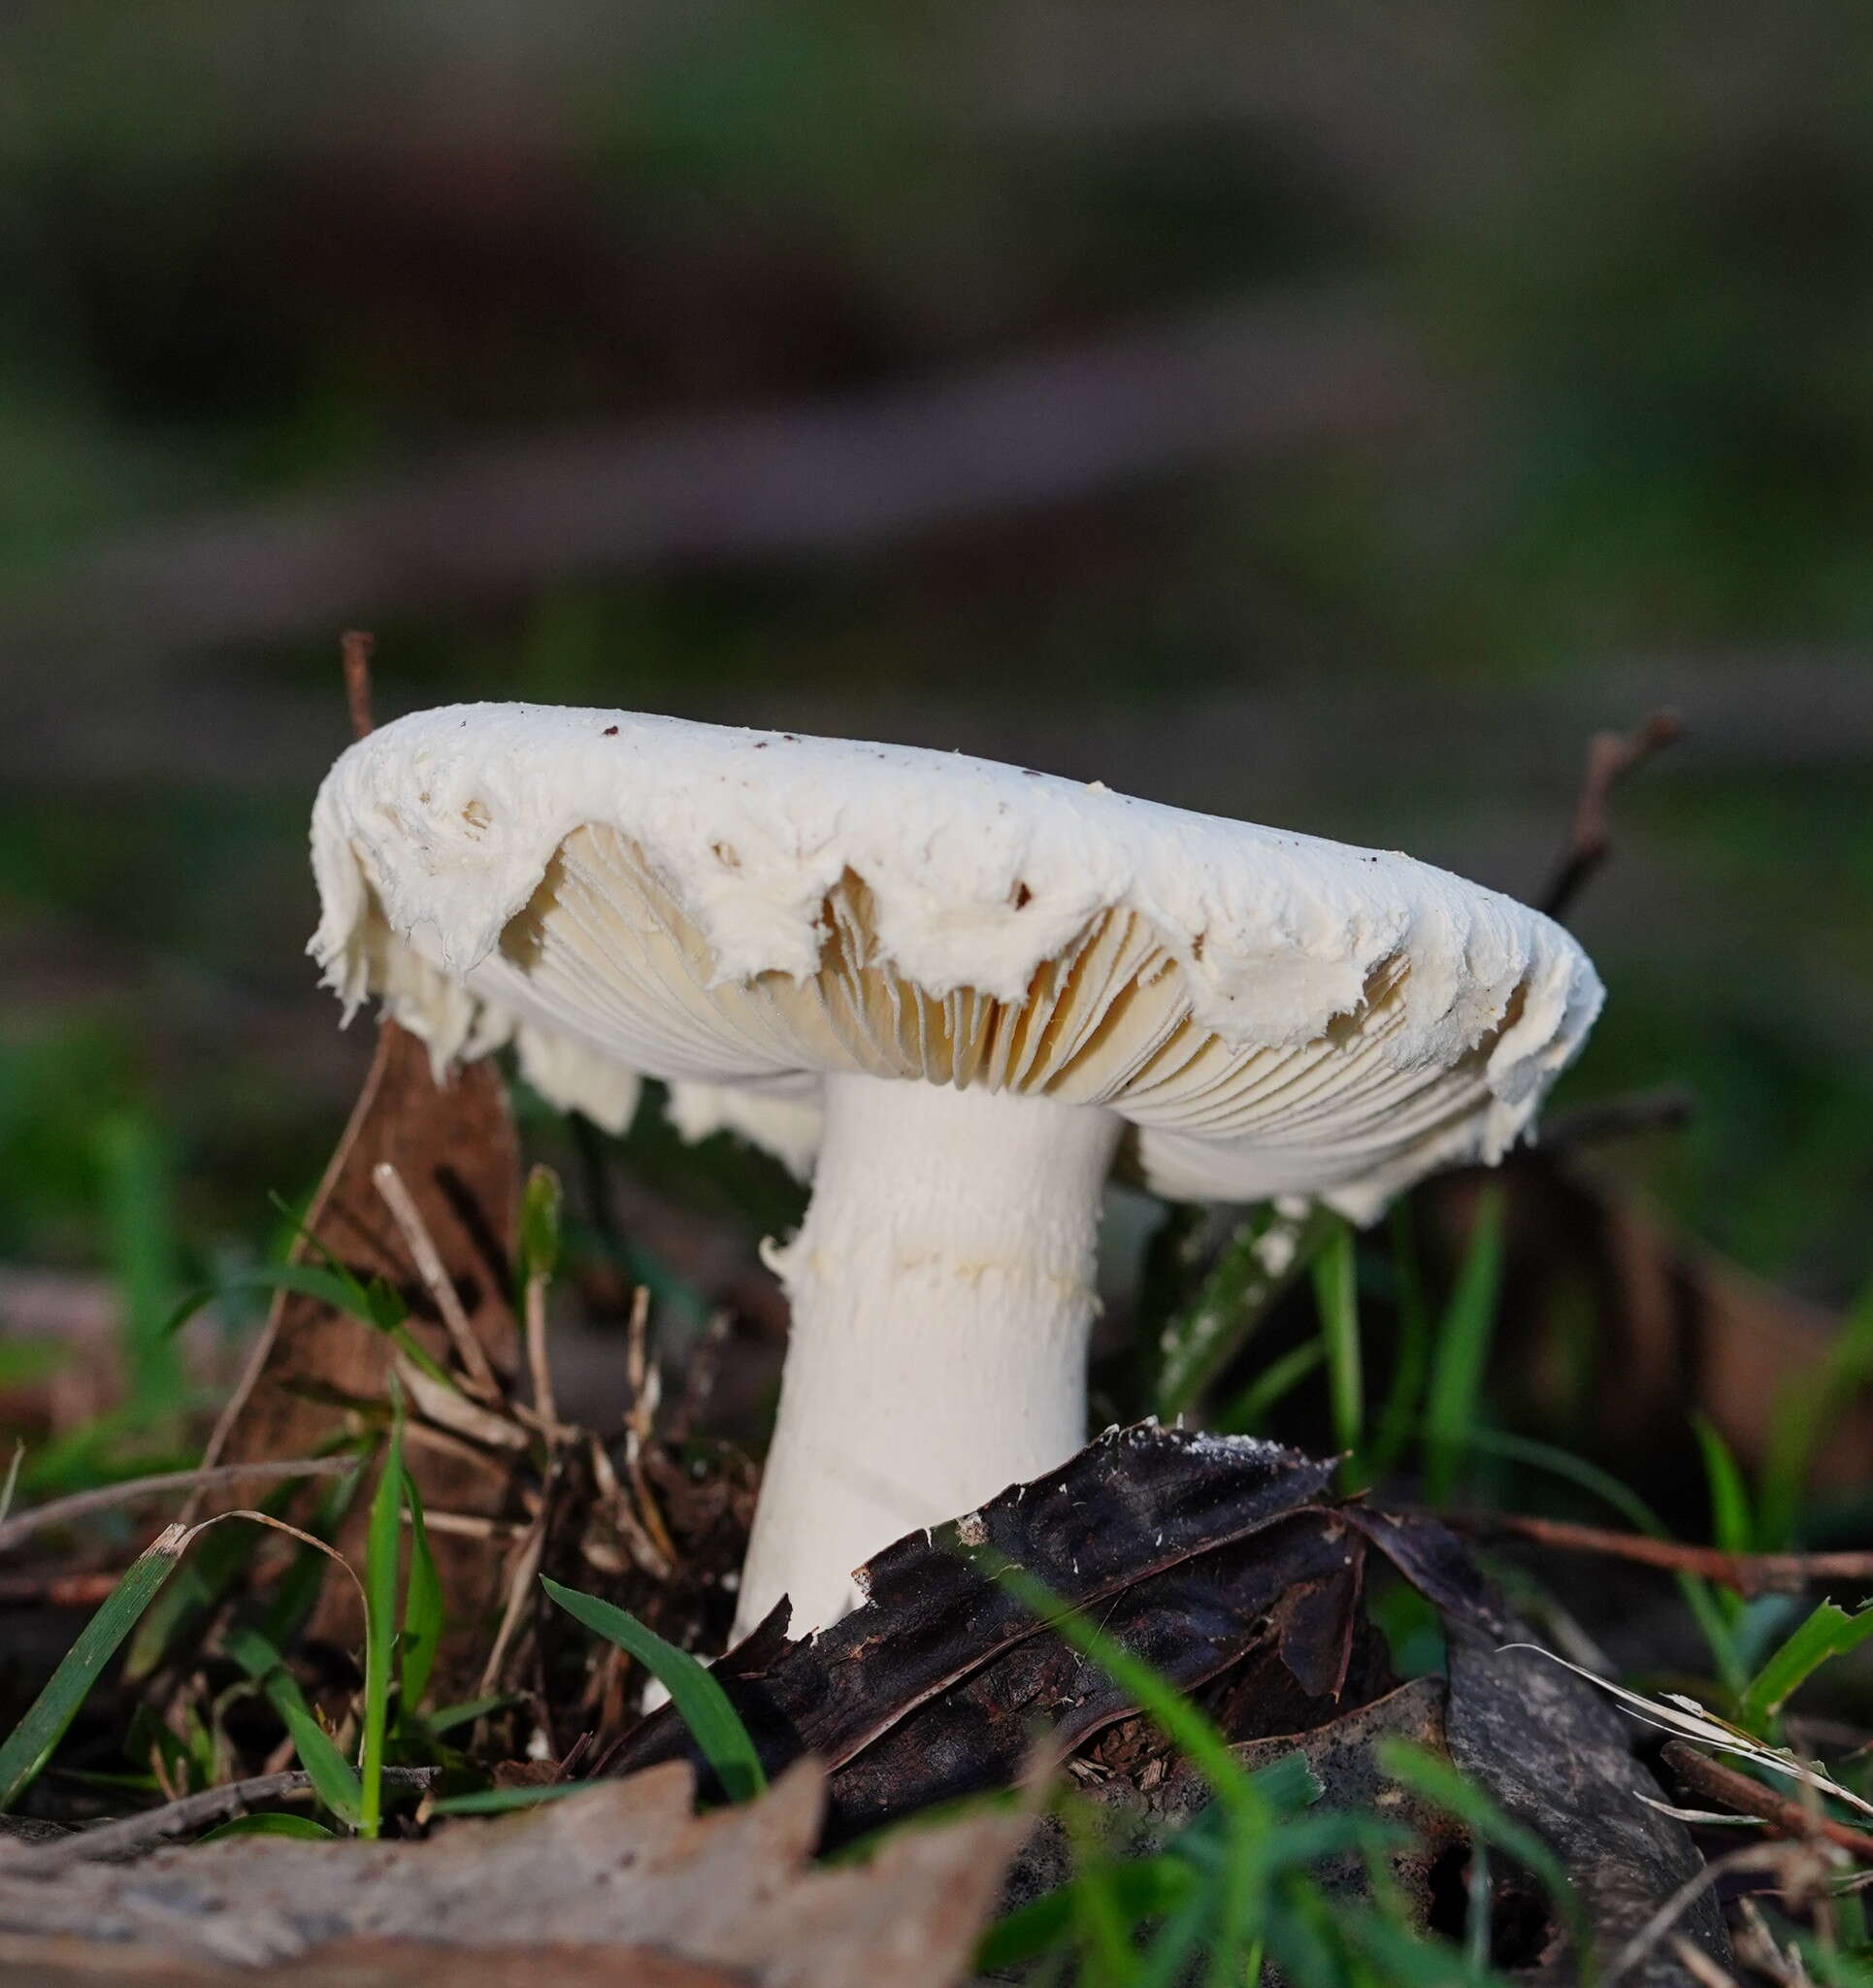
477	1371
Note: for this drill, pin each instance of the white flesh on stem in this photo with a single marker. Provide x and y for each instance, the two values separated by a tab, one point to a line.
942	1292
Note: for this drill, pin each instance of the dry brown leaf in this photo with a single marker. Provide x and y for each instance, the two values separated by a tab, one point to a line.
622	1867
1679	1322
358	1964
454	1146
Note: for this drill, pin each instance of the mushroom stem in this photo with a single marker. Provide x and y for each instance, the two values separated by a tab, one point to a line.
942	1290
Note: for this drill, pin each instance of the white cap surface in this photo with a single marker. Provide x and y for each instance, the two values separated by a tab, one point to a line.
744	912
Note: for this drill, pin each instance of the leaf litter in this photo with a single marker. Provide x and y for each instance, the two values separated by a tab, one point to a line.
626	1866
1225	1565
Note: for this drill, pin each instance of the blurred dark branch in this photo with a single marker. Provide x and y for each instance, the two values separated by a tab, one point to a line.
354	647
132	1833
1748	1573
1667	1108
1610	756
48	1589
109	1497
836	476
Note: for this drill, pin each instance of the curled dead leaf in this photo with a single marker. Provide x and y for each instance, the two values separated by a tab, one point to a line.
586	1885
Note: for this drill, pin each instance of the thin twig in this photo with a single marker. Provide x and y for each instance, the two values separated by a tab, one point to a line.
418	1433
1738	1793
1748	1573
640	1375
640	1423
480	1373
470	1525
520	1592
133	1833
1610	756
354	649
700	1372
57	1590
1698	1965
1790	1861
105	1497
622	1507
187	1535
1757	1949
454	1409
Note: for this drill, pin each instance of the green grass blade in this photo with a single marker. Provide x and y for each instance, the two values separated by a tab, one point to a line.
1184	1933
1461	1351
271	1825
11	1483
358	1302
384	1538
1478	1912
1440	1783
305	1280
1732	1526
1718	1629
1163	1702
422	1605
1574	1469
1252	1407
700	1703
378	1303
498	1800
1201	1339
1103	1926
29	1745
1336	1298
334	1778
436	1723
1805	1413
1828	1633
1403	1958
540	1208
140	1228
1213	1874
1145	1888
1411	1363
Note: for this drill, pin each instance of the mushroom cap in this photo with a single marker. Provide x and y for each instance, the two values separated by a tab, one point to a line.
742	912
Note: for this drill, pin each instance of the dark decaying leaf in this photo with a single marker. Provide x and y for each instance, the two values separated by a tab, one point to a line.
593	1880
1536	1741
453	1145
1556	1757
1341	1755
1188	1623
1134	1503
1434	1561
1189	1551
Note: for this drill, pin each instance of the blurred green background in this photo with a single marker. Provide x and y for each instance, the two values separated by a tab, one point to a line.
1329	415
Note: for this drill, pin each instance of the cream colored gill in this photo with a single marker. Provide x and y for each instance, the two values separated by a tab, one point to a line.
605	953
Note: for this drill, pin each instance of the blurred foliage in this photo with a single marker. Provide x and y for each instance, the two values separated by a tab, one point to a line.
266	255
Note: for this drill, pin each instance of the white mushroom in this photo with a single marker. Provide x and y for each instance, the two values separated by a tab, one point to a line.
963	984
